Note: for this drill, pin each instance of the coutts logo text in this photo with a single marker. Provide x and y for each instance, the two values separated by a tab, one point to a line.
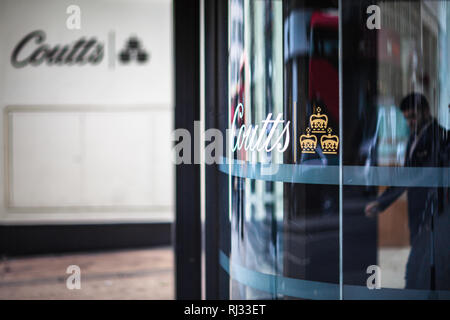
80	52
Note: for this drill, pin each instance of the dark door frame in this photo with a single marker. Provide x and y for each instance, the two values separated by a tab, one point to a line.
186	17
188	225
216	116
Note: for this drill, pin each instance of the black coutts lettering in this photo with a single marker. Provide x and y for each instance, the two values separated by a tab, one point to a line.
38	56
40	37
97	55
60	58
87	47
78	45
80	52
51	55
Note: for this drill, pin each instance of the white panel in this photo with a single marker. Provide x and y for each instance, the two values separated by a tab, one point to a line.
45	159
91	159
118	164
163	173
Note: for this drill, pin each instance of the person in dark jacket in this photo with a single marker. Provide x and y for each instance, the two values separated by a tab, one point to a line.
428	146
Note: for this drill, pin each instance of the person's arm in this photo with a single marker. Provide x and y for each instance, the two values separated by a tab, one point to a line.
383	201
389	196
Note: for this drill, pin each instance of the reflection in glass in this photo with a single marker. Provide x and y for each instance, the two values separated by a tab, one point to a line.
392	98
297	234
256	83
311	98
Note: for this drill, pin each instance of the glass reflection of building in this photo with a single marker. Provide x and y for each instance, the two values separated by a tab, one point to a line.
256	82
408	58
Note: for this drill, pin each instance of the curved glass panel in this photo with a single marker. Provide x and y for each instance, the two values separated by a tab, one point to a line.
338	163
284	233
256	98
395	118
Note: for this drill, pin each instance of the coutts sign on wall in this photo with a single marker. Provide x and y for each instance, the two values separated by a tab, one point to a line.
81	52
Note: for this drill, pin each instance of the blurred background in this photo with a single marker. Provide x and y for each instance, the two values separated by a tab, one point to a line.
87	103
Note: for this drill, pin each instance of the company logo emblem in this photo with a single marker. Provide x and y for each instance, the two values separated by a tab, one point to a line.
318	122
308	142
133	51
34	50
328	142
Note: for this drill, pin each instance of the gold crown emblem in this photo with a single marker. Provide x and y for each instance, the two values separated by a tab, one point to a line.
329	143
308	142
318	122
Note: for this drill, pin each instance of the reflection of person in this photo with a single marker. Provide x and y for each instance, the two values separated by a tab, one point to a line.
427	147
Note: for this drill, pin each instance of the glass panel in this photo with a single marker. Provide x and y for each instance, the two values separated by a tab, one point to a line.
311	224
395	150
255	92
284	228
349	197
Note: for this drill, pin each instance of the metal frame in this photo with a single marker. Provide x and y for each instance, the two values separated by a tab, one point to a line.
216	116
187	110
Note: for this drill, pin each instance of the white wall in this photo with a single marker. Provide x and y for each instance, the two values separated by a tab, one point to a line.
87	143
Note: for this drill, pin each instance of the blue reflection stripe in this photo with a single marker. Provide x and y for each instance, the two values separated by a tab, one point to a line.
279	285
306	289
352	175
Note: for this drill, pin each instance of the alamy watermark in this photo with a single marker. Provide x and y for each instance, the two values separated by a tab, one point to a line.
74	19
374	280
74	280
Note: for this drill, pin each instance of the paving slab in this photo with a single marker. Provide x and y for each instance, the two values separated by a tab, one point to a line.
144	274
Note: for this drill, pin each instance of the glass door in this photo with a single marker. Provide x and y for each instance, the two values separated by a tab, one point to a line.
395	202
338	150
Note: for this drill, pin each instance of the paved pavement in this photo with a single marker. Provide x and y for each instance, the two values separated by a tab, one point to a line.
130	274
